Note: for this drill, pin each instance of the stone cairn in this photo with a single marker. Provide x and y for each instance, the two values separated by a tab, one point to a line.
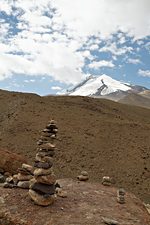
42	186
83	176
106	181
121	196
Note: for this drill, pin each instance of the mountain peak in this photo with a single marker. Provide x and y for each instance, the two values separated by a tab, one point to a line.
98	86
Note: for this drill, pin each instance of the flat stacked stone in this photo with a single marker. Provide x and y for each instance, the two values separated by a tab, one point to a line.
42	186
25	174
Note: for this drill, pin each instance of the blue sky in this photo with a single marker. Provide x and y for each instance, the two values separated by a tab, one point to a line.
50	45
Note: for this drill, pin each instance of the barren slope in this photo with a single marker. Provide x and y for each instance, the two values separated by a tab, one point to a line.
100	136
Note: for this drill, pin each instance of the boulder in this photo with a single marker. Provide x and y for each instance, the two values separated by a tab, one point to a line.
10	161
40	199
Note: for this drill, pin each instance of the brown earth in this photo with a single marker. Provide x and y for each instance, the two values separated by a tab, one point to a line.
86	204
100	136
10	162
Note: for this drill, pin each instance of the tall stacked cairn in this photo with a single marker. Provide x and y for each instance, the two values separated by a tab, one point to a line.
42	186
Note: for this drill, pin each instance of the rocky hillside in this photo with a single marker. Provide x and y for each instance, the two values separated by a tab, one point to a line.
99	136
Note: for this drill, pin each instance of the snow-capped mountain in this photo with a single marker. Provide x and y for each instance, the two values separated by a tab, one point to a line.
104	87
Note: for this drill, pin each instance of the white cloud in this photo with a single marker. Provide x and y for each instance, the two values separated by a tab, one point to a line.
133	61
112	47
92	16
5	6
4	28
94	47
56	88
144	73
102	63
29	81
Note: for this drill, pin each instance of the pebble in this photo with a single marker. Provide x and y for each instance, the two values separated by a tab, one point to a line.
109	221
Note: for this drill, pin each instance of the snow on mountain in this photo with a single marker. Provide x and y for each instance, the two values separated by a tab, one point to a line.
99	86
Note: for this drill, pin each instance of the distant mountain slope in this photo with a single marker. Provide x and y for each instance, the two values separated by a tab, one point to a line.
136	99
145	93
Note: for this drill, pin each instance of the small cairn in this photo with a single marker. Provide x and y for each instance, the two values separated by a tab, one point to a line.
121	196
42	186
106	181
21	180
83	176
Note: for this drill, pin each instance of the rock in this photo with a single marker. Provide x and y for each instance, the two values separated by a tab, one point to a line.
147	207
47	179
9	180
15	178
47	159
84	173
82	178
39	142
48	135
43	188
121	196
23	171
51	126
22	177
23	184
27	167
10	161
2	171
109	221
8	185
120	199
50	153
44	139
61	193
46	130
121	191
40	199
2	178
48	146
40	171
7	174
44	165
